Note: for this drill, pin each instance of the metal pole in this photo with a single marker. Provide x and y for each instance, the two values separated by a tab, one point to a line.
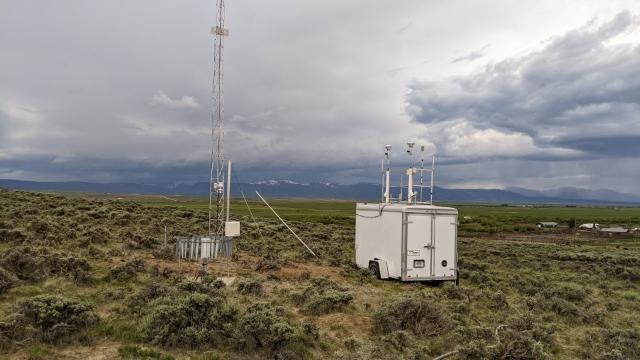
410	195
285	224
387	183
387	188
382	180
252	217
433	170
421	170
228	187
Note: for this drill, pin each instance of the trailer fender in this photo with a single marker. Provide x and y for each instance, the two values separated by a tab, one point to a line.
382	266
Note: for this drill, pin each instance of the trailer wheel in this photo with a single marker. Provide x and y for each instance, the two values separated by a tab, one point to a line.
374	269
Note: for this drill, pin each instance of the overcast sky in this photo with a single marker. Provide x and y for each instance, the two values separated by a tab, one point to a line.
538	94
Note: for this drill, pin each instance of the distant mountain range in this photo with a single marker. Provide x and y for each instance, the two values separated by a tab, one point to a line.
570	193
363	191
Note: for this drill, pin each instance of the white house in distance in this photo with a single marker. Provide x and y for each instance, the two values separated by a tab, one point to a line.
547	224
589	226
614	230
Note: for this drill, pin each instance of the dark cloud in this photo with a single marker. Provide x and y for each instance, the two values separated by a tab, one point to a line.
120	90
104	170
300	84
623	146
580	92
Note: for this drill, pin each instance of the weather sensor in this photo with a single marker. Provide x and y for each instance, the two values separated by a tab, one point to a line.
405	237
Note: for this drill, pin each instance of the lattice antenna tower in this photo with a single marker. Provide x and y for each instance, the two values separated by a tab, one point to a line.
217	174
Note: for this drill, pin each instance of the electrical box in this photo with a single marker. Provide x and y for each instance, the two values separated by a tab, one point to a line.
232	228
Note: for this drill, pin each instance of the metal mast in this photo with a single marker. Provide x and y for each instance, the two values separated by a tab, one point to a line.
217	176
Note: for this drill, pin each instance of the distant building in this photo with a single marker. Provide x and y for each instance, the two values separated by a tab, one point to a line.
589	226
547	224
614	230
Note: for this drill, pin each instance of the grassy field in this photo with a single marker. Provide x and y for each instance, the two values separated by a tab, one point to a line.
86	277
345	208
474	218
294	209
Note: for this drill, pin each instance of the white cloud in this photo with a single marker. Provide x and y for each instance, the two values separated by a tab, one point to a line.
459	139
19	123
20	112
312	89
185	102
575	93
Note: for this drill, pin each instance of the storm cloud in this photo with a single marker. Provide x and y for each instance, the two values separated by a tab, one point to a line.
576	97
121	90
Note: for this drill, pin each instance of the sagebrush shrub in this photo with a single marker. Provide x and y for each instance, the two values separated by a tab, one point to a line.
33	264
399	339
454	292
193	320
524	338
520	337
40	228
419	315
127	270
328	301
75	268
23	262
12	235
270	262
250	287
166	253
14	328
146	294
204	287
499	300
323	296
265	326
605	344
568	291
7	280
311	330
57	318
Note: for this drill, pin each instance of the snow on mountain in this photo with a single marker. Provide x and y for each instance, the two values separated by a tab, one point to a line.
278	182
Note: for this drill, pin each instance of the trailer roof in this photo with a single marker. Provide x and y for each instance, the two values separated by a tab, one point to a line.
400	207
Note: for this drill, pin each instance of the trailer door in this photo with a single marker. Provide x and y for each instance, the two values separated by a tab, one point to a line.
418	246
444	246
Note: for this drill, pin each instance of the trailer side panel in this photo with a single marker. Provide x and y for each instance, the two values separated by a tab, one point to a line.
379	236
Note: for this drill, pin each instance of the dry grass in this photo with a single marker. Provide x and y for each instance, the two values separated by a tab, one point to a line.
575	300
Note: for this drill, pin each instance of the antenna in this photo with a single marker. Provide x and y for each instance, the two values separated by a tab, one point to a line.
217	176
433	170
421	170
386	175
221	230
410	144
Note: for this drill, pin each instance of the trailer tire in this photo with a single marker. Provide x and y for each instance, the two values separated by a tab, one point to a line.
374	269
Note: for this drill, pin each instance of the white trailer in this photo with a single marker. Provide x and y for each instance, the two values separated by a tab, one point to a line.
407	238
407	242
